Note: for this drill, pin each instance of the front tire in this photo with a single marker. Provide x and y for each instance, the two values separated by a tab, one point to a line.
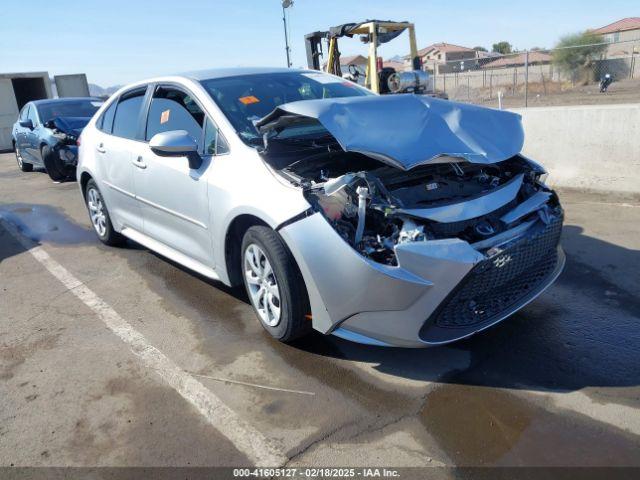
22	165
99	216
274	285
53	164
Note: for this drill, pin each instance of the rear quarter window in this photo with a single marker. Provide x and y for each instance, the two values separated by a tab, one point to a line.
105	122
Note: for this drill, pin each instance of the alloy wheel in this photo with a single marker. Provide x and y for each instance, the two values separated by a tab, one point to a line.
96	211
262	285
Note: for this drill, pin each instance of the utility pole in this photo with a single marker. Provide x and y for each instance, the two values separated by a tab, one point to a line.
286	4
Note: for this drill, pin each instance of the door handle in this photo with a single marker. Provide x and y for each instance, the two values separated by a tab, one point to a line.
101	148
139	162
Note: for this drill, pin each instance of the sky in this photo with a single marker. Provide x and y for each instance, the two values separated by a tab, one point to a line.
119	41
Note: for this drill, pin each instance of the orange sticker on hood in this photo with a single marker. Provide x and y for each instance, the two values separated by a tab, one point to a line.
248	100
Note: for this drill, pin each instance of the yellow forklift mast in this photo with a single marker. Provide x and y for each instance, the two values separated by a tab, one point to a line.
375	33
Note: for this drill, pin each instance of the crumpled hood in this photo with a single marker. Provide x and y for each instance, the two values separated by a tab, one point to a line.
71	125
409	130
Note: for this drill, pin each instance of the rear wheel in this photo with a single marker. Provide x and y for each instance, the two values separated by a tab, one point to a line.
53	164
274	285
25	167
100	216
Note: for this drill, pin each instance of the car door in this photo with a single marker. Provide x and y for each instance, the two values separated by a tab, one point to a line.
173	197
20	131
32	138
117	138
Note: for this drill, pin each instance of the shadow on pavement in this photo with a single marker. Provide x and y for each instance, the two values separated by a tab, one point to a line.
583	332
41	224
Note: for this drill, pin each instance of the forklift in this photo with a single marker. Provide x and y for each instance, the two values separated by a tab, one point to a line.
377	78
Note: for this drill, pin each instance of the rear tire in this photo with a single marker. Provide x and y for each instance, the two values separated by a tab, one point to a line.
274	285
99	216
22	165
53	164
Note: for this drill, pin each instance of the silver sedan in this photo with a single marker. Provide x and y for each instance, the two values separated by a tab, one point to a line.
398	220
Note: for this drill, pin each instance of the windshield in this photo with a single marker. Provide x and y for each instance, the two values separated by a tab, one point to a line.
246	98
68	108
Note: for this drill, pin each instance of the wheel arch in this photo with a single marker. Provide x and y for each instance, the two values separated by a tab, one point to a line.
232	244
83	180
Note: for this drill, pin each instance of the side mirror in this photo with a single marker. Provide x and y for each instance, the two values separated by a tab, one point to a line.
26	124
176	143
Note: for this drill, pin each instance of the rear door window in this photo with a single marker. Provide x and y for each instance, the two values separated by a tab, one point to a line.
127	116
174	109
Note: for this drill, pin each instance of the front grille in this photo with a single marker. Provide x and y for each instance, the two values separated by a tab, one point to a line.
499	282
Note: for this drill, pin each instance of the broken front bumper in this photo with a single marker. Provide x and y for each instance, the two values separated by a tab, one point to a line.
441	290
68	154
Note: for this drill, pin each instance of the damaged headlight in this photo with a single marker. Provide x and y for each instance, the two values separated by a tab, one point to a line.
66	138
362	212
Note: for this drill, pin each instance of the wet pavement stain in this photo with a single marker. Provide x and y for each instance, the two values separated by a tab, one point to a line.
187	294
480	426
13	356
153	426
225	325
474	426
314	356
46	224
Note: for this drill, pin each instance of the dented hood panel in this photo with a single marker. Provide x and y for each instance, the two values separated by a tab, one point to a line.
71	125
409	130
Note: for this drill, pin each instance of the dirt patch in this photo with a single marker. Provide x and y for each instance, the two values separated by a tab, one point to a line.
12	356
549	94
149	425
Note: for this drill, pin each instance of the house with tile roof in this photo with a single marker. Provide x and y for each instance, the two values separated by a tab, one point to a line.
623	35
441	57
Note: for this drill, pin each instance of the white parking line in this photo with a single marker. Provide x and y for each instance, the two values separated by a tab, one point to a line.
243	436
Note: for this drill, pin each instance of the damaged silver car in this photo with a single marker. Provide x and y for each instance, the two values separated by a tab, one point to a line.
401	220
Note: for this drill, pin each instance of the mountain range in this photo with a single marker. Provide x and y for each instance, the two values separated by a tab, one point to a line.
98	91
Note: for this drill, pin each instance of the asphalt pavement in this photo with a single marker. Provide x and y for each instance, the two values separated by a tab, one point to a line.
119	357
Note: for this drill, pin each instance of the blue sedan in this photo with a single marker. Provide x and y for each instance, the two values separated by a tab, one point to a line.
47	131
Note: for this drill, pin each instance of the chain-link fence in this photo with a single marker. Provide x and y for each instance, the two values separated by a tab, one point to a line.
564	76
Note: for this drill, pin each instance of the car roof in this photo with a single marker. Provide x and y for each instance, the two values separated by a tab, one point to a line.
235	72
210	74
49	101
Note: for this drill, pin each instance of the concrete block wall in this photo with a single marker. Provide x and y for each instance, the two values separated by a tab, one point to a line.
588	147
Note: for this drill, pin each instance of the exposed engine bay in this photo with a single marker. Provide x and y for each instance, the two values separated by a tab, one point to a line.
374	206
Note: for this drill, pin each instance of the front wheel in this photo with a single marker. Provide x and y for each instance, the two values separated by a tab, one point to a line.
274	285
53	164
100	216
